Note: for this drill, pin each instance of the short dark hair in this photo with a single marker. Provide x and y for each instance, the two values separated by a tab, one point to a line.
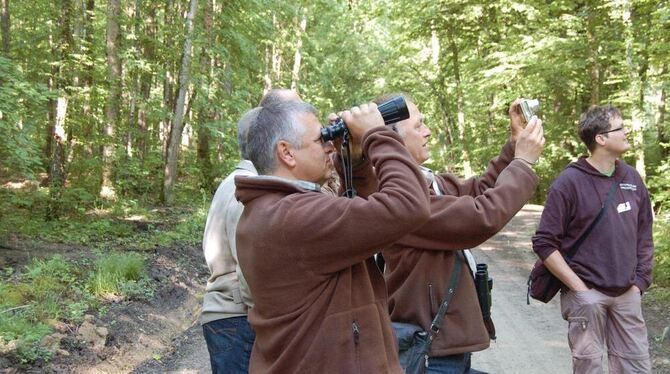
272	124
595	121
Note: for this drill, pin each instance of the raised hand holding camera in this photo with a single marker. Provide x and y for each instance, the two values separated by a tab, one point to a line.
530	143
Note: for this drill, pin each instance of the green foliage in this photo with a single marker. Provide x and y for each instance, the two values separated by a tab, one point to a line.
662	254
59	289
18	152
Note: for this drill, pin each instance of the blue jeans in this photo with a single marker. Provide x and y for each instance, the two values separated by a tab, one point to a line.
453	364
229	342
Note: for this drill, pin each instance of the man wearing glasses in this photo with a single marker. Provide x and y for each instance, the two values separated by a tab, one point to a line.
606	276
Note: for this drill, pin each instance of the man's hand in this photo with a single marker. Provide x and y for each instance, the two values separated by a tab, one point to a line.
557	266
356	149
516	120
530	142
360	119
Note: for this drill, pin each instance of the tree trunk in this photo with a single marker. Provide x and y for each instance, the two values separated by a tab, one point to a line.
113	98
177	122
636	92
87	78
295	75
58	82
462	137
146	80
661	128
5	25
593	45
205	112
57	164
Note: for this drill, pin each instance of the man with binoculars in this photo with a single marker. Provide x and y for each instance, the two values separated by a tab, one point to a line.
320	302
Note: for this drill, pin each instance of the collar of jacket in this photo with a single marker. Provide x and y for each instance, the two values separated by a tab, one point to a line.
246	165
302	184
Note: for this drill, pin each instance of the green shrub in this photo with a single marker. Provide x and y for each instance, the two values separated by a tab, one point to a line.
114	272
662	253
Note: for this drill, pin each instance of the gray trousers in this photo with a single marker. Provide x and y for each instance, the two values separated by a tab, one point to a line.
596	320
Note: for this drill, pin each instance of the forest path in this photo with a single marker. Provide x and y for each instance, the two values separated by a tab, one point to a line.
530	338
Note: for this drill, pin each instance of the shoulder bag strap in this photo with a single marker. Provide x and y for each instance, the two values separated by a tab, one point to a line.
586	233
451	289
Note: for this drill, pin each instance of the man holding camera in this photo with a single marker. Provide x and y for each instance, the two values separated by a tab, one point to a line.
320	303
464	214
601	203
227	298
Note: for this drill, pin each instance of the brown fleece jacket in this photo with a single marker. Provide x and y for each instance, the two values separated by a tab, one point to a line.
320	303
418	266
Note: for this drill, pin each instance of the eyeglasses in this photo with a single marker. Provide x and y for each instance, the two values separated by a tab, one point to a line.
609	131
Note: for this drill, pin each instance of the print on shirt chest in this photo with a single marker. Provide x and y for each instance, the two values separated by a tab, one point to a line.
625	206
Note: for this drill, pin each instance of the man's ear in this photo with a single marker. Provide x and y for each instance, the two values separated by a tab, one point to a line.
285	154
600	139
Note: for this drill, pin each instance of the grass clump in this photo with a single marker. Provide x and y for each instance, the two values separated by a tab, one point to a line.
120	274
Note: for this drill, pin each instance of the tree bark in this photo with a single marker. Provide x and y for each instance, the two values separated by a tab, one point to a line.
636	91
295	75
661	131
58	112
592	46
205	112
462	137
5	25
177	123
57	165
113	98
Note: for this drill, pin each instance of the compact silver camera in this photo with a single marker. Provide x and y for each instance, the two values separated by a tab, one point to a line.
529	107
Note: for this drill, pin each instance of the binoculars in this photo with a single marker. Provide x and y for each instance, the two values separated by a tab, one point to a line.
392	111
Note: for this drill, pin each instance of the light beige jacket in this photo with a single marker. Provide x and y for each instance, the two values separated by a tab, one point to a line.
227	294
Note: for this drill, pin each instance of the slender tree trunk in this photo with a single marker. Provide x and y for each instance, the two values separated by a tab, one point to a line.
146	79
87	78
462	137
276	54
267	76
593	45
57	164
205	112
58	112
636	91
177	122
295	75
5	26
113	98
661	128
436	53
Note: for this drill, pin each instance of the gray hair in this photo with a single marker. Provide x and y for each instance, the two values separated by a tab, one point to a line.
278	95
272	124
243	129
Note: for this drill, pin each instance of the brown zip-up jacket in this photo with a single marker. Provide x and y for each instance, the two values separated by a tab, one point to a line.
320	304
418	266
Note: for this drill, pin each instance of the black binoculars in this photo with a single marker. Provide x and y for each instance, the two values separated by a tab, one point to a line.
392	111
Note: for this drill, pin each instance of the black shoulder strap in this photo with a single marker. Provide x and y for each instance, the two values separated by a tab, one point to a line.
586	233
451	289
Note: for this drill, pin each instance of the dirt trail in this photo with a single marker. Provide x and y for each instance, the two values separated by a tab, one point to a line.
531	338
